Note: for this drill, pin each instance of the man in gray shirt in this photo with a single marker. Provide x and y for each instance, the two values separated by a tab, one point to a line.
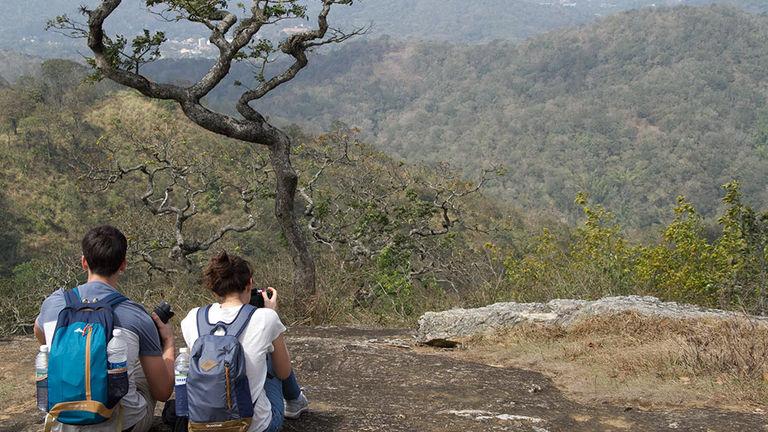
150	342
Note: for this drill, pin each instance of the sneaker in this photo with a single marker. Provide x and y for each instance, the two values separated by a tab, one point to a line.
295	407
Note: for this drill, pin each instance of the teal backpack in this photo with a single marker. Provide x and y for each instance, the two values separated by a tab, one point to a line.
82	390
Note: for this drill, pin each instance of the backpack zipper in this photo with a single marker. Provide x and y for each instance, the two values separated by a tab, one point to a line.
229	390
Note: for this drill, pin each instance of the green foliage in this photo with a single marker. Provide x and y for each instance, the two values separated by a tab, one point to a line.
392	279
595	262
539	266
728	271
118	51
685	265
259	51
289	8
144	48
194	10
10	238
600	245
743	246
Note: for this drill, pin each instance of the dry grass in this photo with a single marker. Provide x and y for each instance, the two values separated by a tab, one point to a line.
17	380
640	361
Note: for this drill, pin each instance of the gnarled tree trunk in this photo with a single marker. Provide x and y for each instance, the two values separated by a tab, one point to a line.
286	178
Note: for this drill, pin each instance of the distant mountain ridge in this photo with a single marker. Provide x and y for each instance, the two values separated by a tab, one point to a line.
480	21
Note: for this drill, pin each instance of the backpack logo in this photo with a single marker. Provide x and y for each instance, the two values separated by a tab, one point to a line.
84	330
208	365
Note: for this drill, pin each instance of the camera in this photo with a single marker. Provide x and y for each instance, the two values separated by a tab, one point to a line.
257	300
164	312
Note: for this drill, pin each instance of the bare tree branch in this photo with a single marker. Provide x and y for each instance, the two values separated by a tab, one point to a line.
297	46
382	204
172	187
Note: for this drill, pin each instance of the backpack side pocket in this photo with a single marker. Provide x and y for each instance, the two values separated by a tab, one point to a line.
117	386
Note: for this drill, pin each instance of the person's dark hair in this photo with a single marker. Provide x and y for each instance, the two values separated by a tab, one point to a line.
104	248
227	274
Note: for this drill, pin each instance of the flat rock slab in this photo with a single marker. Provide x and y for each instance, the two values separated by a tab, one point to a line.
377	380
449	327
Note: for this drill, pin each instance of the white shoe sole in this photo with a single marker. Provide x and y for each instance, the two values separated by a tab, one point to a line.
297	414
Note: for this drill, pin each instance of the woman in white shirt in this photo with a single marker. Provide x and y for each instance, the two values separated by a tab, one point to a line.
274	389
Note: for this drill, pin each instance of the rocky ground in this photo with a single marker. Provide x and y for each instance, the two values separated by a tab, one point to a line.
366	380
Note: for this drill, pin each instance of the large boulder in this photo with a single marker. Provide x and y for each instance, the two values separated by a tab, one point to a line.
449	327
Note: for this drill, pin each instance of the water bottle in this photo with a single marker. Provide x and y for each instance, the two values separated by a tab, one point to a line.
117	352
41	378
182	370
117	368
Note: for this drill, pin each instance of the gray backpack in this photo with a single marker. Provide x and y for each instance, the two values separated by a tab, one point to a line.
218	393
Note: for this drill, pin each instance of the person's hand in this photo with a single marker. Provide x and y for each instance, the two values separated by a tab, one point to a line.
270	302
165	331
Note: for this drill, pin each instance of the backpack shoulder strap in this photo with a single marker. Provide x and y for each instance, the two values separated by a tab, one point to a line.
72	297
114	299
203	326
236	327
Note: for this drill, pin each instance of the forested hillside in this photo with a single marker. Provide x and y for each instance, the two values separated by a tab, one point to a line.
391	239
636	109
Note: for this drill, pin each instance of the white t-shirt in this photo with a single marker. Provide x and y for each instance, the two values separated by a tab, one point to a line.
263	328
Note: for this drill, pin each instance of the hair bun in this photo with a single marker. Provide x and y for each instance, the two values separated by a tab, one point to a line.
227	273
223	257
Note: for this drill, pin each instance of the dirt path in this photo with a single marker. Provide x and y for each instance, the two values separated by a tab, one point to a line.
374	380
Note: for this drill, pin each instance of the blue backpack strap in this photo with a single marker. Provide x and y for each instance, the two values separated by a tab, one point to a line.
203	326
113	299
238	325
72	297
235	328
